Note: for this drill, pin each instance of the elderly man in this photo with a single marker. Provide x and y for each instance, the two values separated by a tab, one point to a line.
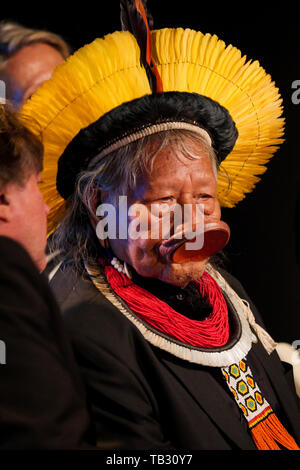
28	57
42	404
149	144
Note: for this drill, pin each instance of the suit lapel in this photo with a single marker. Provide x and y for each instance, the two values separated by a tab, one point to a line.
222	409
272	366
219	405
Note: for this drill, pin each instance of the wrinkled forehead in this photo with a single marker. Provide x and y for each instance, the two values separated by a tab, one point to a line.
179	139
154	160
176	166
181	153
177	146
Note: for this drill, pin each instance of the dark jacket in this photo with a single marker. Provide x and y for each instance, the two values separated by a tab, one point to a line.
42	401
144	398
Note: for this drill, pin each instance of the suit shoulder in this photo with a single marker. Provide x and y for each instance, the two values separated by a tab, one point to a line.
87	313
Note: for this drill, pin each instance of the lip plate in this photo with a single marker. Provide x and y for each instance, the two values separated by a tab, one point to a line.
216	236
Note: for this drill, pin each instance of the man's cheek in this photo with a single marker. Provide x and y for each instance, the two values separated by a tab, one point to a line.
139	223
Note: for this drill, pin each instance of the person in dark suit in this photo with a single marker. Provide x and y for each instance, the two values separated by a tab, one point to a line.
42	400
171	349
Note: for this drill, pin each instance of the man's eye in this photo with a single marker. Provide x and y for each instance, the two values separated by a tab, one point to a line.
165	199
160	207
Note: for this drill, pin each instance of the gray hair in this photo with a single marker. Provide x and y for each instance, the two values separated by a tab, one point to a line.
14	36
118	174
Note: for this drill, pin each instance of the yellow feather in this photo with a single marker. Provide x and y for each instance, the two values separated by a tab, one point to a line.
107	73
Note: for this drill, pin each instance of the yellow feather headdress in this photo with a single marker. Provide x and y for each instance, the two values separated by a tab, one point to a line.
106	73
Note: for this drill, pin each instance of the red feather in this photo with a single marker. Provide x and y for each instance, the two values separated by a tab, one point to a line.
136	19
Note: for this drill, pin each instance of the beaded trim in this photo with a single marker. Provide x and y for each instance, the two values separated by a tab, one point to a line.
121	267
248	396
146	131
236	351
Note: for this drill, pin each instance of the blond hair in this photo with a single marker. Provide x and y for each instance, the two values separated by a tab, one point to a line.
14	36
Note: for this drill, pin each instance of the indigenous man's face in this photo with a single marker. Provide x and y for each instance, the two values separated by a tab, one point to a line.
27	69
174	180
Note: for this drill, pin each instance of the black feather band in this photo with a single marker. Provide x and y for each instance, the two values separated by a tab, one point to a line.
129	117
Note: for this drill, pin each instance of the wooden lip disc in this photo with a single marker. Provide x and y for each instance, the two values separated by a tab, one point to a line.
216	236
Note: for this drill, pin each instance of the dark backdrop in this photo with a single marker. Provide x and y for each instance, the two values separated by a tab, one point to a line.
264	250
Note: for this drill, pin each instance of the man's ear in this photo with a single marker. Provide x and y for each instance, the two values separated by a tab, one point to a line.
99	196
4	206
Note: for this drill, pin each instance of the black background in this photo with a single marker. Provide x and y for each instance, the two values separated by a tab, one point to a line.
264	250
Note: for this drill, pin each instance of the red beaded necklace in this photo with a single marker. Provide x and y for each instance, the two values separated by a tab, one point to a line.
213	332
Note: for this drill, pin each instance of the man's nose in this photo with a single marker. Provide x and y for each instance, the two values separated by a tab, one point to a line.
192	208
193	215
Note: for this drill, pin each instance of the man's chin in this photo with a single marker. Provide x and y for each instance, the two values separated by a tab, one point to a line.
182	274
178	274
